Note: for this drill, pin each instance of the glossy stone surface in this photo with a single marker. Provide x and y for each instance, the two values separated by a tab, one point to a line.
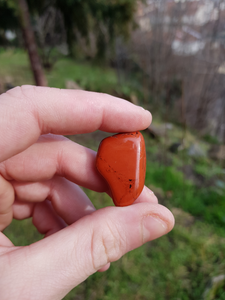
121	160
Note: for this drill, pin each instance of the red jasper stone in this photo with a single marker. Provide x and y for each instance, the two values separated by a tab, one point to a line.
121	160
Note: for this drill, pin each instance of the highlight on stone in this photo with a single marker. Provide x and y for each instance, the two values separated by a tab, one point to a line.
121	160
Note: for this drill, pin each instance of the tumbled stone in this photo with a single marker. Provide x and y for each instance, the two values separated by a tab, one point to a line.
121	160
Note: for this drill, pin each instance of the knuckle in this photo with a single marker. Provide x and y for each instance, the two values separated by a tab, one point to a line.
107	246
24	97
20	92
6	189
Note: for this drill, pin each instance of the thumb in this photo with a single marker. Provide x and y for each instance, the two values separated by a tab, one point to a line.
50	268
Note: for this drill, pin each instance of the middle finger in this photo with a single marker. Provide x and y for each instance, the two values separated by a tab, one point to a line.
68	200
55	155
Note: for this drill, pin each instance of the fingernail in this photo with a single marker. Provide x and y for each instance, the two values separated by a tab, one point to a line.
148	112
153	228
151	195
150	192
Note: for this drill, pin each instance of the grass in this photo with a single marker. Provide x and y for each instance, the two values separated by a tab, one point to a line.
15	67
88	76
203	203
177	266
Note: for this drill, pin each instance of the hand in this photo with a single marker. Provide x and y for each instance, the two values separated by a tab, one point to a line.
40	175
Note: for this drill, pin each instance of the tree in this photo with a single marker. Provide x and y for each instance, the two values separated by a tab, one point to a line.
31	44
15	15
104	19
180	48
8	18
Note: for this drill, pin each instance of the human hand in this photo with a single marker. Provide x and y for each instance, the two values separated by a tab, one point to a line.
40	174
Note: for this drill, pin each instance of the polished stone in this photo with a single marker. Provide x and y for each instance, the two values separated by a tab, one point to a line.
121	160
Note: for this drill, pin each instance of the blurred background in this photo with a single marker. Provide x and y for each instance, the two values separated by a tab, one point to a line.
169	57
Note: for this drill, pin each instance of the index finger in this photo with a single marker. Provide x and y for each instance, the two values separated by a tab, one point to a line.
27	112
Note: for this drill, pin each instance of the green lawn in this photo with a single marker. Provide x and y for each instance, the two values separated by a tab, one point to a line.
178	266
14	66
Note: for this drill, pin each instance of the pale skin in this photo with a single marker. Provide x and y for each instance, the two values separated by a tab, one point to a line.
40	175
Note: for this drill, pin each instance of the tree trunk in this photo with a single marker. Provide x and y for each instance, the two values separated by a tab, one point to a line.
29	39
